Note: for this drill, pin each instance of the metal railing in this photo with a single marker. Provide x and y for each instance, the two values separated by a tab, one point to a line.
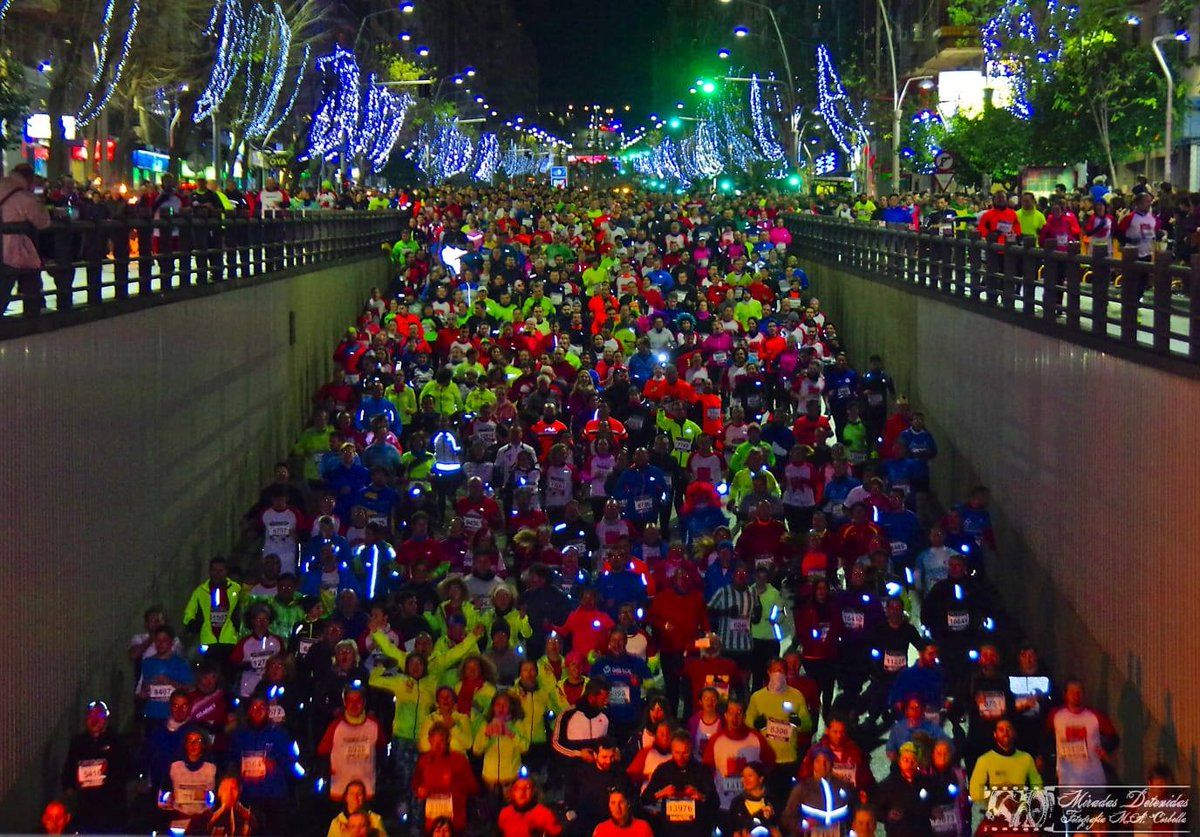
93	263
1150	306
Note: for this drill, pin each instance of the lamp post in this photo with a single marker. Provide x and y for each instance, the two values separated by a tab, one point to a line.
1180	35
790	86
924	82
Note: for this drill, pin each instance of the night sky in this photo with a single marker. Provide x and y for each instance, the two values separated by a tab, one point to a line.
591	52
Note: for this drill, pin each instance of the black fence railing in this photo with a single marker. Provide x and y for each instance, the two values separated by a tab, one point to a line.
1149	305
93	263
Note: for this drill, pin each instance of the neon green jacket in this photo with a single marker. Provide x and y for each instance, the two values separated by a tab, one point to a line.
462	732
743	484
780	728
994	770
683	436
199	606
536	705
447	399
502	753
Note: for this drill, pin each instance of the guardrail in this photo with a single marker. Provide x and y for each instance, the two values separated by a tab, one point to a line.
1150	307
90	264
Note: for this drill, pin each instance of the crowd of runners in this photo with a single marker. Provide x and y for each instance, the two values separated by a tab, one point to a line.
595	530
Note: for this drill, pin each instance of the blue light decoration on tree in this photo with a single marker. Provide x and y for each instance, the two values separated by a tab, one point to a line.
444	150
845	121
5	5
291	102
763	124
1020	47
264	78
925	132
517	161
383	119
108	68
227	19
335	122
825	163
487	157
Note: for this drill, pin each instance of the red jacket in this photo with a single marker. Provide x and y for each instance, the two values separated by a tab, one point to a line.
678	620
698	670
537	820
761	538
448	774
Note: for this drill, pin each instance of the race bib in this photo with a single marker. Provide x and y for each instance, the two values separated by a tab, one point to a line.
857	457
680	810
875	399
845	773
991	706
161	691
731	785
893	662
683	445
815	830
438	806
190	796
720	357
1074	750
1004	226
556	299
358	751
739	626
90	773
619	695
304	645
275	714
958	620
843	393
1061	239
380	520
472	523
643	505
279	530
217	619
944	819
778	731
853	620
254	766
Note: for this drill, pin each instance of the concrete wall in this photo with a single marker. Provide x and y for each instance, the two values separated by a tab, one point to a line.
135	444
1092	463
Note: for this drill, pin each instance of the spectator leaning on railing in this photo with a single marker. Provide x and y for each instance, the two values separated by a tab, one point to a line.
22	265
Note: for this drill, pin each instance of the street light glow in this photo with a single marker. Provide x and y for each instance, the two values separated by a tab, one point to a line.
740	31
722	53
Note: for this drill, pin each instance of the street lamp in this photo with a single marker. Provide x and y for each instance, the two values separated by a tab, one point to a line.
1180	35
925	83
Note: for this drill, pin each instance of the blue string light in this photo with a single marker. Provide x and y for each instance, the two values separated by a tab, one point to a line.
226	60
335	122
844	120
763	125
275	50
283	114
383	119
1018	48
93	105
488	158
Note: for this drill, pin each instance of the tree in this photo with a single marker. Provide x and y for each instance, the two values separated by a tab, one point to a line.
1117	88
994	145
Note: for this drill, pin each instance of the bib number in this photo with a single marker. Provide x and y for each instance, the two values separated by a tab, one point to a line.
161	692
739	626
779	731
958	620
619	695
680	810
643	505
254	766
893	662
90	774
438	806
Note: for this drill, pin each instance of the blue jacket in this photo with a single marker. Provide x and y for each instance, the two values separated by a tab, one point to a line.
702	521
338	476
621	672
641	368
620	587
904	471
174	667
919	442
715	578
371	406
927	683
162	747
310	583
312	551
636	484
268	749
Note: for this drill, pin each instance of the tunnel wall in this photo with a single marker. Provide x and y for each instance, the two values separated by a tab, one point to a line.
136	443
1093	466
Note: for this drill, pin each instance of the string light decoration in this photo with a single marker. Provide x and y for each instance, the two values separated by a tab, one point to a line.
227	59
925	132
335	122
845	121
265	81
763	126
445	151
1019	47
487	156
108	70
517	161
825	163
291	103
5	5
383	119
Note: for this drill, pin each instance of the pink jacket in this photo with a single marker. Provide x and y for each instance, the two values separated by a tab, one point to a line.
21	205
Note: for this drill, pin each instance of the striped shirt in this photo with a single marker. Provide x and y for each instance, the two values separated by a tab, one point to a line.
736	611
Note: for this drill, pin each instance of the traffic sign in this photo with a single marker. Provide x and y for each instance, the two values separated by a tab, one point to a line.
944	161
942	180
558	177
